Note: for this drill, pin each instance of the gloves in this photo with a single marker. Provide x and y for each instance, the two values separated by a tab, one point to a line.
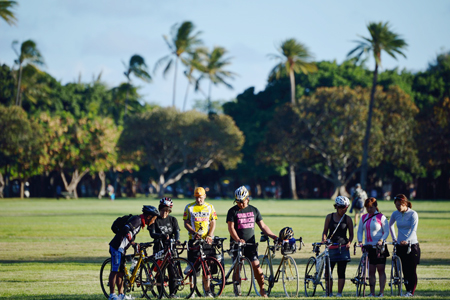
137	247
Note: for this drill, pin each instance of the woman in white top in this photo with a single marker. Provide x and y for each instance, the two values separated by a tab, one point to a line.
376	228
407	221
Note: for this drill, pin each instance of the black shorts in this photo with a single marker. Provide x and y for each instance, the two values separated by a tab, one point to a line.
249	251
377	258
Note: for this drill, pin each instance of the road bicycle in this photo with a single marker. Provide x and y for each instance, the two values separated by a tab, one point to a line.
141	271
213	279
317	267
287	268
178	274
240	271
396	281
361	279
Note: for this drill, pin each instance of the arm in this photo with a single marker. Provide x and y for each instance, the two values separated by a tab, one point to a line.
233	233
153	234
391	227
350	232
264	228
325	228
212	227
359	235
191	230
385	226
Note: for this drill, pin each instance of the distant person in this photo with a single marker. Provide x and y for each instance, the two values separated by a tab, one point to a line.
121	242
358	199
241	220
111	194
407	222
376	228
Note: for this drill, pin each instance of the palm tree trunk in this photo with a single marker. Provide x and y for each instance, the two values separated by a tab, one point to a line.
186	94
292	181
209	97
126	99
18	85
292	79
175	82
364	163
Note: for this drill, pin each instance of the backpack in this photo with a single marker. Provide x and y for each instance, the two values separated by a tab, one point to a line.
120	223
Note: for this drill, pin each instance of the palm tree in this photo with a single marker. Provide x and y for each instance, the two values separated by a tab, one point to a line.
6	11
213	69
138	68
294	58
28	54
195	59
381	38
182	40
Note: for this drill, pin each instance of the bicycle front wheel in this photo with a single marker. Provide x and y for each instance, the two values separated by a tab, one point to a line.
396	281
243	277
179	278
151	279
359	279
329	278
104	276
290	277
310	278
213	278
266	267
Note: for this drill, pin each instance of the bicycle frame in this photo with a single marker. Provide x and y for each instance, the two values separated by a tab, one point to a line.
396	281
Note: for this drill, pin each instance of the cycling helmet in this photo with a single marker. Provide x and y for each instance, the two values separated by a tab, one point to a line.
286	233
342	201
166	202
241	193
150	210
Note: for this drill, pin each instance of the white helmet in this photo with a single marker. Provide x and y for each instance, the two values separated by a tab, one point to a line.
342	201
241	193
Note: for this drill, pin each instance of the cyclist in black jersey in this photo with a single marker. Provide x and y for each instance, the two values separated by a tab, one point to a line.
165	227
121	242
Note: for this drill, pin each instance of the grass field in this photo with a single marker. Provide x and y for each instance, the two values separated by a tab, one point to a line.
53	249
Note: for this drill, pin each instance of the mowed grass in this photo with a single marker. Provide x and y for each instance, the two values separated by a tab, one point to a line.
53	249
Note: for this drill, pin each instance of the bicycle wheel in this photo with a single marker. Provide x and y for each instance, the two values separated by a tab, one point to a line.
243	274
310	277
267	272
359	278
104	276
329	279
179	278
396	282
150	278
213	277
290	277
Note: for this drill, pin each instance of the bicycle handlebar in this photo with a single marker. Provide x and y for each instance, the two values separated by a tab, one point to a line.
395	244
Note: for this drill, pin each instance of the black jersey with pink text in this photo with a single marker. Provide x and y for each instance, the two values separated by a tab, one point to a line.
244	221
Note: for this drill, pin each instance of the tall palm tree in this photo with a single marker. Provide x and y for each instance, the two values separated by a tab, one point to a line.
182	40
28	54
194	59
294	58
6	12
381	38
138	68
213	69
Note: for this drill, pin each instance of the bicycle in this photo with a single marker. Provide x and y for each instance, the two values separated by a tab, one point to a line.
213	281
287	268
396	281
241	270
315	269
177	282
361	278
146	274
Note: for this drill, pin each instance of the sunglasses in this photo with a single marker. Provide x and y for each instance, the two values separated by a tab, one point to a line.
341	207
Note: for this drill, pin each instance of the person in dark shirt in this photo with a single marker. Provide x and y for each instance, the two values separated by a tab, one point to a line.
165	227
241	220
121	242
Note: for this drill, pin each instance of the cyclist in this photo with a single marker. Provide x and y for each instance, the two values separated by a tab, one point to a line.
407	221
335	230
241	220
200	221
359	196
376	227
121	242
165	227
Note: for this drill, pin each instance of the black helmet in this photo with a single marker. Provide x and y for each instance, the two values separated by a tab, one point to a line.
150	210
286	233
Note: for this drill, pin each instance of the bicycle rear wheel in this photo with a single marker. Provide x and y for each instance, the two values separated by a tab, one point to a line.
310	274
396	281
290	277
329	279
363	278
213	277
104	276
243	277
150	278
179	278
268	273
358	280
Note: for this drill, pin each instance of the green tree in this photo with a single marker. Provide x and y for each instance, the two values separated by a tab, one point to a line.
182	40
212	68
6	11
138	68
28	54
177	143
381	39
294	58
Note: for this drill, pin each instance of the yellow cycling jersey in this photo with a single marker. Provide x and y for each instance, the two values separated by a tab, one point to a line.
199	216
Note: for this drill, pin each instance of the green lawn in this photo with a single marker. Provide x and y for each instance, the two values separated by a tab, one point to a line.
52	249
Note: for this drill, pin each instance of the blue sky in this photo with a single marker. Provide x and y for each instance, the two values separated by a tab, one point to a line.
93	36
